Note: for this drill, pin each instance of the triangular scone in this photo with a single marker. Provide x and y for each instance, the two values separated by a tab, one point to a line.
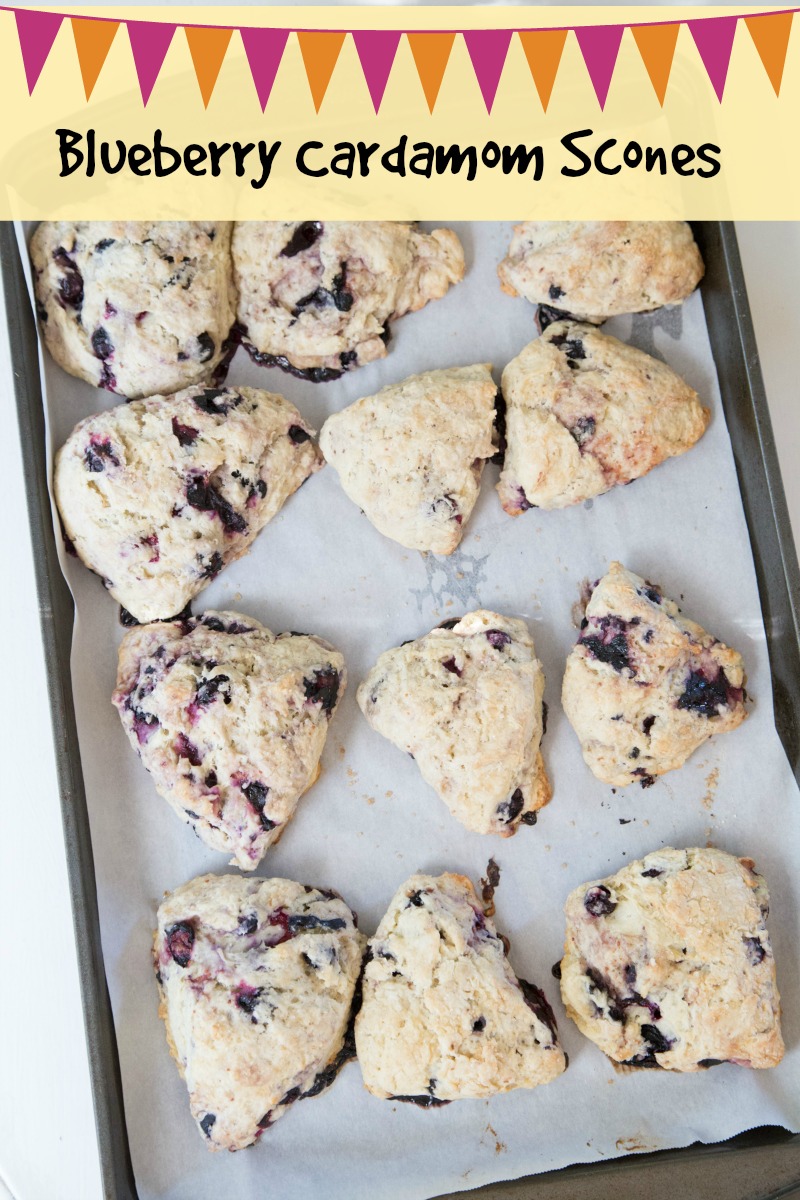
443	1016
466	701
230	720
668	963
159	495
585	412
316	297
644	686
256	978
597	269
412	456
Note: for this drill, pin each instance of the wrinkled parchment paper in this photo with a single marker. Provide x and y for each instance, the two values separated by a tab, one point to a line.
370	821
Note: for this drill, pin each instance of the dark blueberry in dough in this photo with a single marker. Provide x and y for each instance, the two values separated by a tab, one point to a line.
651	593
63	259
208	689
583	430
450	665
658	1043
247	999
705	696
555	970
186	434
144	725
546	315
237	627
555	292
304	236
755	951
529	818
523	503
97	453
652	873
598	902
300	921
642	1060
497	638
647	724
102	344
104	244
323	689
509	810
341	298
298	435
70	288
312	374
645	779
634	753
348	358
421	1101
179	941
228	349
108	379
450	623
605	639
711	1062
538	1003
186	749
211	779
265	1121
203	496
479	1025
128	620
213	567
216	401
217	626
207	347
257	795
500	425
416	900
207	1123
248	924
573	348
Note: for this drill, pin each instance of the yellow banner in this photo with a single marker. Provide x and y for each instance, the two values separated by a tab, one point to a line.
388	112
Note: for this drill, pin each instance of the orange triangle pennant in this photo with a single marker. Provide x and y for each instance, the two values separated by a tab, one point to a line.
770	32
92	41
657	47
320	53
543	49
431	55
207	47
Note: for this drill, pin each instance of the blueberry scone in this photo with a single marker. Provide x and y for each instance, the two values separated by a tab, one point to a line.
593	270
443	1016
159	495
138	307
668	963
315	297
644	686
585	412
412	456
465	701
256	979
230	720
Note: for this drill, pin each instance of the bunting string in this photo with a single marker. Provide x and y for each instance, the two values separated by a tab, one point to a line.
431	50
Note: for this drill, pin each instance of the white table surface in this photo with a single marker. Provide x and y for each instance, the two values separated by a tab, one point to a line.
47	1140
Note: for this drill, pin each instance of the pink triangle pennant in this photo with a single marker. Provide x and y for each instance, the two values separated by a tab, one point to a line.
150	41
713	37
37	32
488	49
599	46
376	49
264	49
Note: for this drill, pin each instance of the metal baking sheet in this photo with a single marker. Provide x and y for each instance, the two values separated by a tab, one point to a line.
724	1169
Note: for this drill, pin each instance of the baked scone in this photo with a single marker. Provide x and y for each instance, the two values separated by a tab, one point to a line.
585	412
230	720
256	979
668	963
412	456
443	1016
593	270
159	495
315	297
465	701
644	686
138	307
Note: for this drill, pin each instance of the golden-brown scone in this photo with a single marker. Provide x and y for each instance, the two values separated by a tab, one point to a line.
668	963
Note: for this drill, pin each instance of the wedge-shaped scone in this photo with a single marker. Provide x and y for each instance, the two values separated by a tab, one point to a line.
598	269
159	495
137	307
315	298
256	978
668	963
466	701
585	412
443	1016
644	686
230	720
412	456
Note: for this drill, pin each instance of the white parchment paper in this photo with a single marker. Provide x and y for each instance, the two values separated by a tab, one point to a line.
370	821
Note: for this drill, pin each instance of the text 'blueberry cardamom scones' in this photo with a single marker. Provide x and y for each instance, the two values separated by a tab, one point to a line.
315	297
585	412
412	456
159	495
443	1016
668	963
256	978
644	686
230	720
465	701
138	307
593	270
